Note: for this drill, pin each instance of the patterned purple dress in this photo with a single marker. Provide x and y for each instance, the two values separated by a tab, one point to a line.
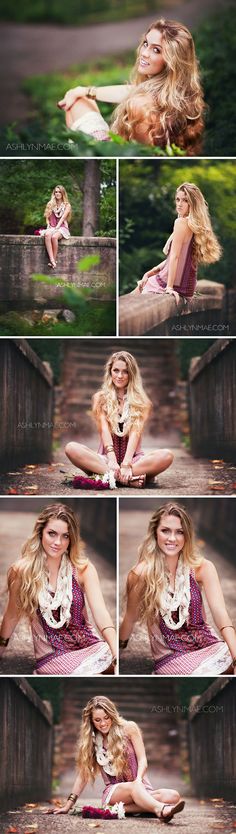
73	649
128	775
186	274
193	648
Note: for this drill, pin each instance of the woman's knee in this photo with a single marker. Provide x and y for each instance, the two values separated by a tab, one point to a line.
72	448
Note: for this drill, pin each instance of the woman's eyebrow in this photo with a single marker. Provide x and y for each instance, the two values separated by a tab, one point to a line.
153	44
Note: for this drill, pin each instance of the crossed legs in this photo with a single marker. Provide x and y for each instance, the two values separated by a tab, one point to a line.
150	464
136	798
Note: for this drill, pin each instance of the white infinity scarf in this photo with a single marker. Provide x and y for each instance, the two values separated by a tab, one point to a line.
102	756
123	418
180	599
62	598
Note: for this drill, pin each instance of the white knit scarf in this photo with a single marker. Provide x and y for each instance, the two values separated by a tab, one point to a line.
180	599
102	755
61	599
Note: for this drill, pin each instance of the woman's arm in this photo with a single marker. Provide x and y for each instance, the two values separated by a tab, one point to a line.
113	94
12	612
77	789
126	466
106	437
207	574
98	608
176	246
135	735
64	216
148	274
134	592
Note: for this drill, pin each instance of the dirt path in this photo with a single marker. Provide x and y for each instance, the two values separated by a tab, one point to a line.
186	476
34	49
198	816
137	658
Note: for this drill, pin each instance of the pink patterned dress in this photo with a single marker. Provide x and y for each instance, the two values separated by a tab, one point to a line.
55	216
128	775
191	649
120	444
186	274
73	649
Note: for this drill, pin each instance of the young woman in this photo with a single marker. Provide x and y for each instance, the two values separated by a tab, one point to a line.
113	747
121	409
57	213
162	105
191	242
164	591
48	584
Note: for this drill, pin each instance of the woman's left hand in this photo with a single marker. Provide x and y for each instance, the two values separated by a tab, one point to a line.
170	291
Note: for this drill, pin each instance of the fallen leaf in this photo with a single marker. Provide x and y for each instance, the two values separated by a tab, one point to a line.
33	488
218	488
31	805
217	799
12	491
12	830
31	828
233	486
217	461
93	824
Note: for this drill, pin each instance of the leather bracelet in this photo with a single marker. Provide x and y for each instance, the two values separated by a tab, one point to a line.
126	465
105	627
234	661
228	626
123	644
92	92
72	797
109	448
4	641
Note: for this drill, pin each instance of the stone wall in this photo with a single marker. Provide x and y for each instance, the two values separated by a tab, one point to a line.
26	416
26	739
212	741
22	256
212	382
205	314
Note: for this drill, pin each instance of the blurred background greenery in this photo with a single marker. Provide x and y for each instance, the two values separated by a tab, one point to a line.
76	11
147	213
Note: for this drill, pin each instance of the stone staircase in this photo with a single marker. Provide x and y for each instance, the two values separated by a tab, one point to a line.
151	703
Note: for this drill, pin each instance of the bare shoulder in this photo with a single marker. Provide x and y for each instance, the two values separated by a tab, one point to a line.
86	572
132	729
180	226
206	571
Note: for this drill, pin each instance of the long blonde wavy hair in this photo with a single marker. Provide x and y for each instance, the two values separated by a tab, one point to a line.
206	247
176	114
105	400
85	754
30	567
155	574
52	203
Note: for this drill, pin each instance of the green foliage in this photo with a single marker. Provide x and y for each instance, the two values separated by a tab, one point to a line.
97	319
216	47
147	213
26	187
187	349
187	688
76	11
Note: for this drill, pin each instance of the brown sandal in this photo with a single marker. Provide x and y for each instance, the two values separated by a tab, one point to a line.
174	810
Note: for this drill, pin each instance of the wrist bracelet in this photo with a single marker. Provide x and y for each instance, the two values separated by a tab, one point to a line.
228	626
114	660
126	465
4	641
123	643
234	661
92	92
109	448
105	627
72	797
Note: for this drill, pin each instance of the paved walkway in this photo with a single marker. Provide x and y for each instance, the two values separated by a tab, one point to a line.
137	658
186	476
35	49
19	656
197	817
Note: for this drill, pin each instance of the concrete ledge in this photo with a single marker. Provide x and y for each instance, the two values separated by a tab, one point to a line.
144	314
22	256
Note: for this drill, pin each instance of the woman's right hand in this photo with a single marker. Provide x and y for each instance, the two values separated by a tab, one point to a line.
71	97
63	810
143	281
113	466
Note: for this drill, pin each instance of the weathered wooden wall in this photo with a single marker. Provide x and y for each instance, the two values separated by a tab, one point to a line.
26	739
212	384
26	417
212	733
22	256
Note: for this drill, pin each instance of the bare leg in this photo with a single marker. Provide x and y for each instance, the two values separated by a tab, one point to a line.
48	244
85	458
153	463
55	238
164	795
82	106
135	796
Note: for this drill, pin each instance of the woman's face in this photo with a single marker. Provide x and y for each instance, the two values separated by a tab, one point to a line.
170	535
182	204
119	374
57	194
55	537
151	60
101	720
